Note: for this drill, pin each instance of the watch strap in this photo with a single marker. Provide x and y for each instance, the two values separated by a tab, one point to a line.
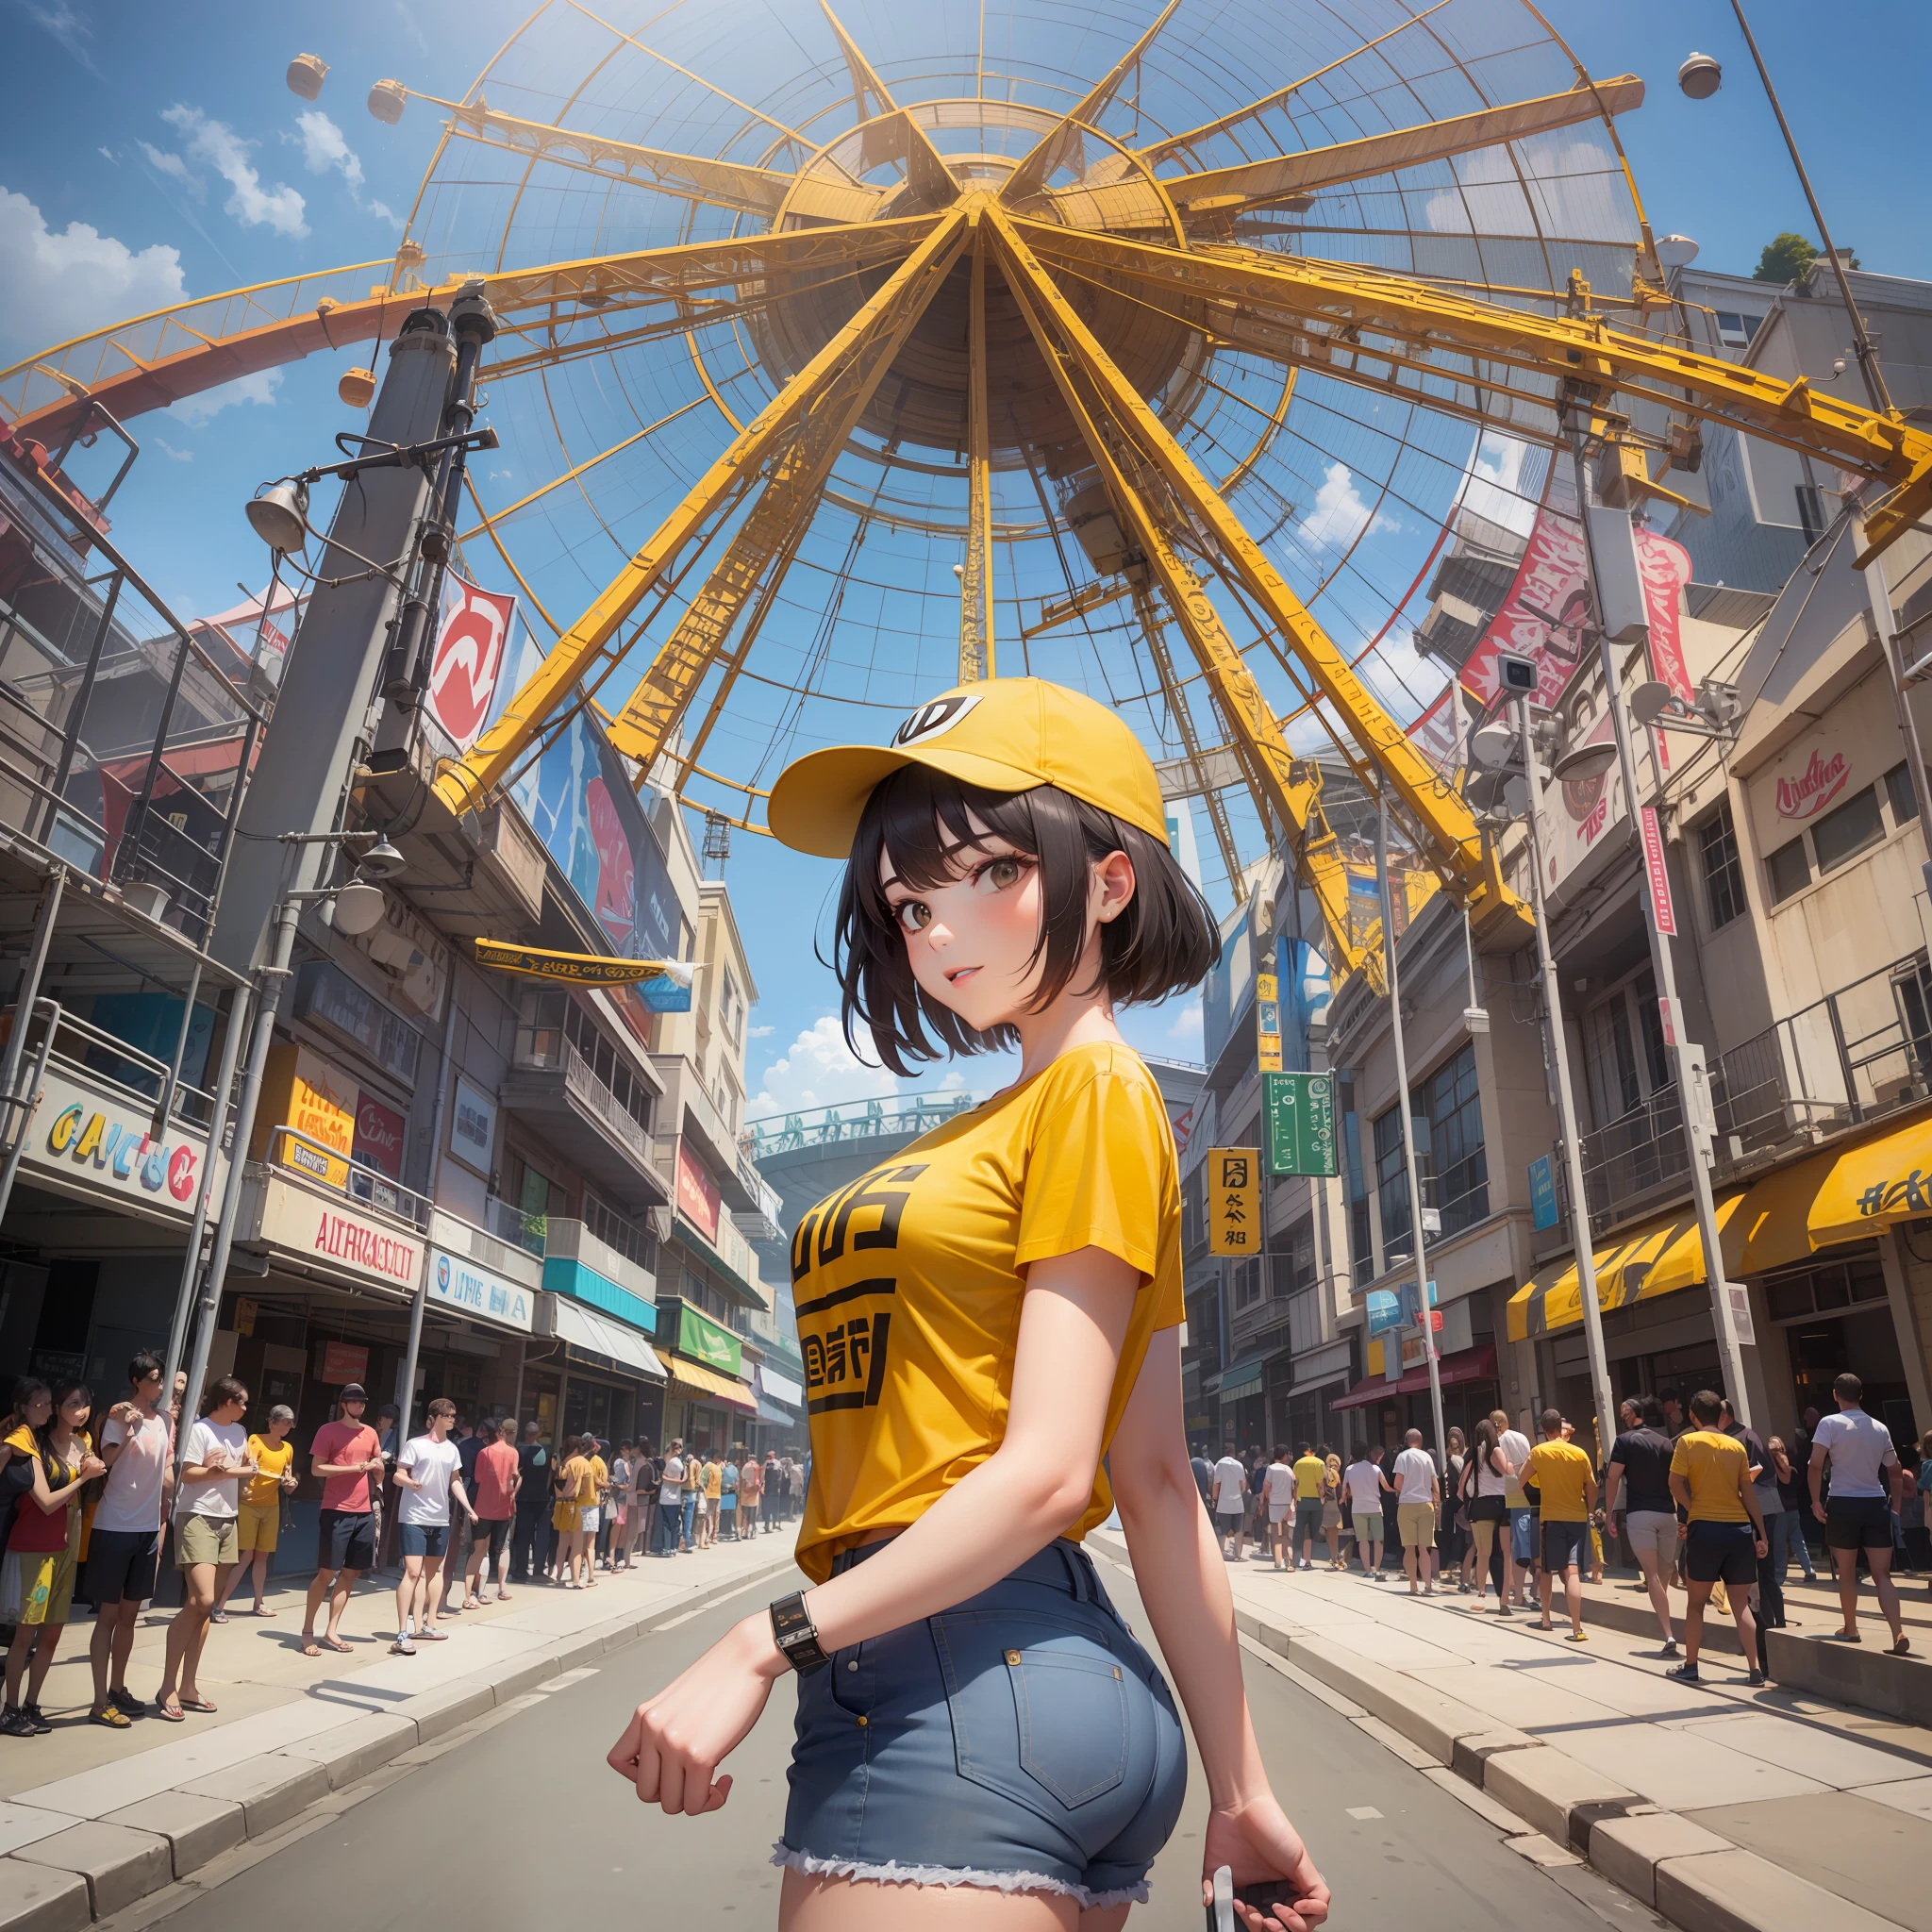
796	1636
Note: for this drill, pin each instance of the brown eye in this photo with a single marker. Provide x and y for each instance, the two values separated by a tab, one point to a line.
915	915
999	874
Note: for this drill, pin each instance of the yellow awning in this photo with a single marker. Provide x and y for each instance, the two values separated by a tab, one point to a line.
694	1381
1658	1257
1843	1194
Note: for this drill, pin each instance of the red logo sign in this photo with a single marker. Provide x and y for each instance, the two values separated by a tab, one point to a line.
379	1137
469	657
1814	787
1660	874
342	1362
698	1199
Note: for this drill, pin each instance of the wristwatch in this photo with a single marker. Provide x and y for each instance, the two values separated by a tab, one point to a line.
796	1636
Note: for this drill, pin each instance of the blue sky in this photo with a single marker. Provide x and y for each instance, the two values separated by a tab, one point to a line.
155	152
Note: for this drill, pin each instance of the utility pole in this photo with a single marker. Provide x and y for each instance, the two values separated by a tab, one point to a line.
1409	1161
1616	590
1566	1107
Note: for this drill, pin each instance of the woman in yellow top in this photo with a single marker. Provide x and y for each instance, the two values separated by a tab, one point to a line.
984	1317
566	1511
44	1549
591	1487
714	1497
1331	1509
260	1514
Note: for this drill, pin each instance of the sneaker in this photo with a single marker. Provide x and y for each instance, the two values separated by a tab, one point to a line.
15	1723
127	1703
1670	1649
33	1713
1754	1678
1685	1673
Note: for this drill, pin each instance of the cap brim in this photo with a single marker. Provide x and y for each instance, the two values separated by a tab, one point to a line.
817	800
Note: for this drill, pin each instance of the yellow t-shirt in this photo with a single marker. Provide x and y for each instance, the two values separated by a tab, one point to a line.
595	1476
1710	1463
908	1285
1308	1472
1559	1471
273	1459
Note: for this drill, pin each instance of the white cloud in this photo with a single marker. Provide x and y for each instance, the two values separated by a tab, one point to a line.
1494	489
279	207
1339	515
196	410
759	1032
67	26
180	455
1186	1030
324	148
174	168
62	285
107	154
818	1069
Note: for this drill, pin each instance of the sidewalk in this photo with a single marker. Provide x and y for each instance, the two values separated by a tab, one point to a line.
1724	1807
92	1819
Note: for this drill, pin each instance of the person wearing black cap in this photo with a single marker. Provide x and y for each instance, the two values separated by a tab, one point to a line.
347	1458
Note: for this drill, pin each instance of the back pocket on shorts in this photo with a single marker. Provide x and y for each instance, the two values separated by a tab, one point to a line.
1039	1709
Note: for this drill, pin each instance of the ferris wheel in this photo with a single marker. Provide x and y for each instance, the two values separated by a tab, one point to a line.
843	360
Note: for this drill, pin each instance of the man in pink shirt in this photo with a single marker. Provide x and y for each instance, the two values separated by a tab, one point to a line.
497	1476
348	1458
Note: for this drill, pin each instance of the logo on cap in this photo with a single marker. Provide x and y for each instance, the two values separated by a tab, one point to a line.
929	721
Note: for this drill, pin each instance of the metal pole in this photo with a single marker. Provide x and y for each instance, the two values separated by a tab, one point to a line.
218	1119
1566	1107
267	1000
83	699
406	1397
19	1148
164	1100
1409	1163
1867	355
28	989
1879	594
1729	1350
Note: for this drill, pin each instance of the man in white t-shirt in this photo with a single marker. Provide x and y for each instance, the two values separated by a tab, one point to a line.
1524	1542
1864	1483
1279	1499
1418	1489
428	1473
1230	1487
126	1544
1366	1486
671	1499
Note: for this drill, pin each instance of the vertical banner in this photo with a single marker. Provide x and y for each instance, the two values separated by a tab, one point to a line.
1659	873
471	643
1234	1200
1268	1020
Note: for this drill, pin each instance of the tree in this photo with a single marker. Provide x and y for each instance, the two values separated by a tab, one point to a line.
1786	259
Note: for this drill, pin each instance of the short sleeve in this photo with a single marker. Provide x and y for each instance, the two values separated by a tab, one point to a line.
1094	1175
1680	1457
408	1458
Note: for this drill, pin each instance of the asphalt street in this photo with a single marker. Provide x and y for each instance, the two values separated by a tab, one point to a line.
518	1822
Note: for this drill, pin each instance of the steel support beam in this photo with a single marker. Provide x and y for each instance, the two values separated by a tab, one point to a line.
794	441
975	579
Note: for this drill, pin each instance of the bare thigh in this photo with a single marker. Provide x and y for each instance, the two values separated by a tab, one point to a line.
809	1903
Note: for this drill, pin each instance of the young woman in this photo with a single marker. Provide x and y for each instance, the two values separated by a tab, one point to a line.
1787	1530
1485	1480
984	1317
1276	1508
566	1512
260	1522
1331	1509
1452	1535
44	1551
214	1461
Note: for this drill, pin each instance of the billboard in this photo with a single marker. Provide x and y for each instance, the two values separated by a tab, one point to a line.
471	640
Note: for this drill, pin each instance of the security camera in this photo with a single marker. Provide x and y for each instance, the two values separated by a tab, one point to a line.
1516	673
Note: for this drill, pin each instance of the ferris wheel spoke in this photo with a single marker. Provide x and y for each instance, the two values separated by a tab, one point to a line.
795	438
1081	364
976	577
1061	147
896	135
1212	199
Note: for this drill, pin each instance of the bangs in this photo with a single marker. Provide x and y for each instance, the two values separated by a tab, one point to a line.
919	823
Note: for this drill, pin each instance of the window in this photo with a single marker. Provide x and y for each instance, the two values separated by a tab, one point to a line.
731	1008
1899	793
1789	869
1361	1246
1392	1185
1624	1050
549	1020
1724	875
1846	830
1247	1282
614	1230
1735	330
1451	1164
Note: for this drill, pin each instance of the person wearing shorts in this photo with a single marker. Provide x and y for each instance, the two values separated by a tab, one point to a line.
260	1522
1308	1472
123	1550
429	1473
1277	1502
1366	1486
1566	1483
1417	1491
497	1473
346	1454
214	1463
1858	1449
1230	1486
1639	1478
1520	1550
1710	1478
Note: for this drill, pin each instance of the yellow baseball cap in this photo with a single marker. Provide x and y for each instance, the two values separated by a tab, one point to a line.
1008	734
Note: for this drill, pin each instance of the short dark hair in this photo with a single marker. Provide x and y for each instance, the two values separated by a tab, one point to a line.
1706	1404
141	1365
488	1429
1848	1388
1305	1450
1552	1420
223	1389
441	1406
1650	1411
1163	942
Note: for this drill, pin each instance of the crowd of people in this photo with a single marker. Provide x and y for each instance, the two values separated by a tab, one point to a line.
1687	1496
89	1504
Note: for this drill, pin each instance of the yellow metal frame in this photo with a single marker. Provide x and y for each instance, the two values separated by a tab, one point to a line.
976	575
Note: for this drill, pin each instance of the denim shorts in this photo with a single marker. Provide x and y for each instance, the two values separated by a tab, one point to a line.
1522	1534
426	1539
1022	1742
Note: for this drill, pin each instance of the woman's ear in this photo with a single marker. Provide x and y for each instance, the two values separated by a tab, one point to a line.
1113	887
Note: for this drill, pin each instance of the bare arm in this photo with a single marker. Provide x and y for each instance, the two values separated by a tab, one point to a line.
1613	1481
1747	1495
1820	1454
1680	1493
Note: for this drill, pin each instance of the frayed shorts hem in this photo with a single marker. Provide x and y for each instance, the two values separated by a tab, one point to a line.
892	1873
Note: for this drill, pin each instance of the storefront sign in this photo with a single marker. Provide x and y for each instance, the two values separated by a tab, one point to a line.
698	1199
313	1228
340	1362
1542	1191
1384	1310
379	1137
92	1138
458	1283
701	1338
327	996
1657	871
300	1090
1234	1200
472	1126
1299	1110
1268	1022
1806	793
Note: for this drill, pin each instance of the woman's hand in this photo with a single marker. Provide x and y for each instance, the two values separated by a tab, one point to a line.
1258	1842
91	1466
675	1740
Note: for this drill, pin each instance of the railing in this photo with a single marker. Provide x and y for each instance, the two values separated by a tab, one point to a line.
582	1081
140	1075
319	1165
511	1223
464	1237
899	1113
1635	1153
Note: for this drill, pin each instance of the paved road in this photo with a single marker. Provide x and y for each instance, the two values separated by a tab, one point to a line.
521	1823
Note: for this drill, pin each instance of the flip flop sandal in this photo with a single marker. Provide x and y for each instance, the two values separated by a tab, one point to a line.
218	1617
1902	1648
177	1716
198	1704
432	1637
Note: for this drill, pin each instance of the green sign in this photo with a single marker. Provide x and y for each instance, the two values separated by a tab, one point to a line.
701	1338
1299	1110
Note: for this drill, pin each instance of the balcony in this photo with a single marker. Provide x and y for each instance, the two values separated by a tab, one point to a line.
823	1126
513	1261
577	1264
688	1108
1854	1057
559	1094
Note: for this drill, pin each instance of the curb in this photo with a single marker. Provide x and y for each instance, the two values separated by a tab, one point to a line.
88	1868
1698	1881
